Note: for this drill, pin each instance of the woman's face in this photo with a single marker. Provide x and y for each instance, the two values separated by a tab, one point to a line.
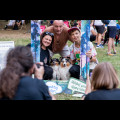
46	41
76	36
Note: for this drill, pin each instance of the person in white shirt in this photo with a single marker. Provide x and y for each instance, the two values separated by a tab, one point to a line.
11	23
112	29
100	30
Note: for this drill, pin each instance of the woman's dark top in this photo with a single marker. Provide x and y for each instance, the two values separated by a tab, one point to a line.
45	56
32	89
113	94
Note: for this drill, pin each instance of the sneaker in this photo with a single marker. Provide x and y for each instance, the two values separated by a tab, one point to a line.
95	43
110	54
100	46
114	52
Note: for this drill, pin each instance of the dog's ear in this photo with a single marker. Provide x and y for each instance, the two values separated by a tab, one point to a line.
68	57
51	60
58	61
69	60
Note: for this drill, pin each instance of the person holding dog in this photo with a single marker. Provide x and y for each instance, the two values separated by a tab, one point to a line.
61	37
16	82
75	35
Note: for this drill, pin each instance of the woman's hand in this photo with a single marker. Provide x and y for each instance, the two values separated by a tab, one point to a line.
39	72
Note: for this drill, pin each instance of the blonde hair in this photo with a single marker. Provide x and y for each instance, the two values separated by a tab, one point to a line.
104	76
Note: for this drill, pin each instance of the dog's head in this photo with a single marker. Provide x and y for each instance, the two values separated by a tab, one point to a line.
54	61
64	61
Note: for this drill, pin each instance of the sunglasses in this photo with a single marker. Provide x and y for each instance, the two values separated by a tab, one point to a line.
49	33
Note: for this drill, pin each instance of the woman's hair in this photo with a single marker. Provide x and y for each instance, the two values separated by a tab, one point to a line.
104	76
43	35
19	60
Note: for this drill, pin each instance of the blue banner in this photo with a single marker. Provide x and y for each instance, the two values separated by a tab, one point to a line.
35	40
85	46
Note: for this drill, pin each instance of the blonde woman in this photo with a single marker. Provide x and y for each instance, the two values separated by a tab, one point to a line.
104	83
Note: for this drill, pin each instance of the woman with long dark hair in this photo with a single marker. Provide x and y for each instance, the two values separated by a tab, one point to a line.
16	82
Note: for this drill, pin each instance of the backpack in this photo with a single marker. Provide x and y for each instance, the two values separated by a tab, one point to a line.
106	21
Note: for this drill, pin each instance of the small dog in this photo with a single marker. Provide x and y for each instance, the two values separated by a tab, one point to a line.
55	63
64	67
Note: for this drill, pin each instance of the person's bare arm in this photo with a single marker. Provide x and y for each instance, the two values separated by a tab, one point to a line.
88	87
53	97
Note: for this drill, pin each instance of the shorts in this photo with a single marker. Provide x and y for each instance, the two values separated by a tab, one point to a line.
64	53
112	30
100	29
92	38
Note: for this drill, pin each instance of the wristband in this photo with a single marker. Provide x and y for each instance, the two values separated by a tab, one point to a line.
90	57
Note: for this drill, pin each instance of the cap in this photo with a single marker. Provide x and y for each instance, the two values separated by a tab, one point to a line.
73	28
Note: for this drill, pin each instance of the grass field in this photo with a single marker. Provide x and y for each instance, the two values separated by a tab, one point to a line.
115	60
22	38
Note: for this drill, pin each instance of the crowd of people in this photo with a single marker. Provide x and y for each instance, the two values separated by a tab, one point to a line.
15	24
16	80
103	34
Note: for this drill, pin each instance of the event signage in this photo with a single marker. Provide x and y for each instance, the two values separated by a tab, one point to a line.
71	86
53	87
77	85
5	46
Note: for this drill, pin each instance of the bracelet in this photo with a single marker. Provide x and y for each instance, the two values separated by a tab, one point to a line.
90	57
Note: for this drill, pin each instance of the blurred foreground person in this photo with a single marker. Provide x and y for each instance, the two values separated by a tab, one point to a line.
16	82
104	83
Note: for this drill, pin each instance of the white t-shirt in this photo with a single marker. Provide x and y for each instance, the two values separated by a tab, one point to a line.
91	28
98	22
11	22
112	23
74	51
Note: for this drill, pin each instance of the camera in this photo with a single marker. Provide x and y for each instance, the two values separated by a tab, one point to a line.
38	65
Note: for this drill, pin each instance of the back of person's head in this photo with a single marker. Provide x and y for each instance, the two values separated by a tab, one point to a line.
19	60
104	76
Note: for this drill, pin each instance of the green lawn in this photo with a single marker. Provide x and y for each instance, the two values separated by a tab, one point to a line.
18	41
115	60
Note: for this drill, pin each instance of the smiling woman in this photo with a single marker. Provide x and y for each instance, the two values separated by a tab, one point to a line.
46	42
